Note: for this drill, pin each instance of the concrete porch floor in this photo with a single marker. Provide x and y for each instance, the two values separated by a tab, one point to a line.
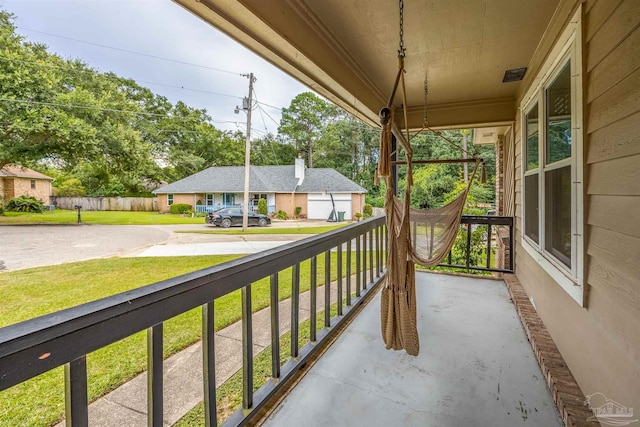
475	367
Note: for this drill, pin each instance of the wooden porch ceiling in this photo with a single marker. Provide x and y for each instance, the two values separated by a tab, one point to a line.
347	50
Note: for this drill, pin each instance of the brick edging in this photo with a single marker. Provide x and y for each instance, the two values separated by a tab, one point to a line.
566	393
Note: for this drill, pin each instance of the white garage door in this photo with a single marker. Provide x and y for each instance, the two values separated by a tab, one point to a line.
319	205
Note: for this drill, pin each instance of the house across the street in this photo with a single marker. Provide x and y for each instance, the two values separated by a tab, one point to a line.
16	181
283	187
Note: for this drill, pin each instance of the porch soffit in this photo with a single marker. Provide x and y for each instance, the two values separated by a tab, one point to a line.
347	50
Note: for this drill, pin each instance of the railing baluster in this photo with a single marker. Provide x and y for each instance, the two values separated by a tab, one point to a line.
358	269
378	252
327	289
295	308
385	245
275	328
348	273
468	245
488	245
247	348
364	261
511	245
339	279
313	309
75	393
209	364
370	256
154	376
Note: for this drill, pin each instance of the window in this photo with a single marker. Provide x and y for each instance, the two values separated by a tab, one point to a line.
33	183
169	199
255	198
552	165
209	200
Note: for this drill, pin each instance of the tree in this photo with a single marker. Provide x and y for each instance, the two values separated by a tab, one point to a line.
33	127
271	150
71	188
302	122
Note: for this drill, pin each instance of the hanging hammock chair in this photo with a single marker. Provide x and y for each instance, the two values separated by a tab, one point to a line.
416	236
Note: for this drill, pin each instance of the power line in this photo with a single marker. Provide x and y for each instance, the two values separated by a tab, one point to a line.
272	119
275	157
267	105
148	55
115	77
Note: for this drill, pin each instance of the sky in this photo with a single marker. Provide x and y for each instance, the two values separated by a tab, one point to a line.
164	29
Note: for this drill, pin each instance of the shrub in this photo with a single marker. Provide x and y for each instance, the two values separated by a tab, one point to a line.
71	188
262	206
358	215
298	210
25	204
477	249
180	208
282	215
367	210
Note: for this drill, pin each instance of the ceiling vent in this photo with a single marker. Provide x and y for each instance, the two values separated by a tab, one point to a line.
514	75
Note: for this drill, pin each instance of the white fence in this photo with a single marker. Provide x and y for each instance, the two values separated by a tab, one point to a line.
145	204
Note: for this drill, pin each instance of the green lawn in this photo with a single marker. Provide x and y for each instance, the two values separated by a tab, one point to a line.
267	230
33	292
61	216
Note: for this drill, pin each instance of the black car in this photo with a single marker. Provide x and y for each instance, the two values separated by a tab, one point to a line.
233	216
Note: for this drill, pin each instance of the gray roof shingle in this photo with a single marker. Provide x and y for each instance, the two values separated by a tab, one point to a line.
262	179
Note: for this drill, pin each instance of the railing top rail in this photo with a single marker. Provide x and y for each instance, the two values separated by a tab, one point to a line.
486	219
38	345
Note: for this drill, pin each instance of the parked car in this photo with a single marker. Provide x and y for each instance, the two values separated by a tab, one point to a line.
228	217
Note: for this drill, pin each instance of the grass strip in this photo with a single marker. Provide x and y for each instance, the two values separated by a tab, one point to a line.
61	216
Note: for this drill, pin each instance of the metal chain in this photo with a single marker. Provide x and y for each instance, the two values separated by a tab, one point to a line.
426	92
401	50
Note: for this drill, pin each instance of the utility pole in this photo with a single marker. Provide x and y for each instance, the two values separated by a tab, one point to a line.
247	155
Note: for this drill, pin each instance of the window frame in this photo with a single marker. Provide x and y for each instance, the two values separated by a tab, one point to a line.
170	199
33	184
569	48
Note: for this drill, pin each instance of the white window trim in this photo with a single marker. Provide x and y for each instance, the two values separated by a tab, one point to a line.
569	47
172	199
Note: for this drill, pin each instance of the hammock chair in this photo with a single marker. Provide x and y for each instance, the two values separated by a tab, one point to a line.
422	237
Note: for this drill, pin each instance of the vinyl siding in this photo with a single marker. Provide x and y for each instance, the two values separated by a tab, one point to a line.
601	342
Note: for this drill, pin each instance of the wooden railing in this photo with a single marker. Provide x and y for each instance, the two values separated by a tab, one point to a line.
33	347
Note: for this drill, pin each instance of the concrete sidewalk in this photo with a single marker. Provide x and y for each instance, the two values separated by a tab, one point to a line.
183	382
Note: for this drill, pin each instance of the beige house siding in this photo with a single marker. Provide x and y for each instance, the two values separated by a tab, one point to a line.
601	342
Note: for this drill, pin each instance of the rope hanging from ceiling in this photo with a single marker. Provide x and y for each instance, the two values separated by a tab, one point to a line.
415	236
